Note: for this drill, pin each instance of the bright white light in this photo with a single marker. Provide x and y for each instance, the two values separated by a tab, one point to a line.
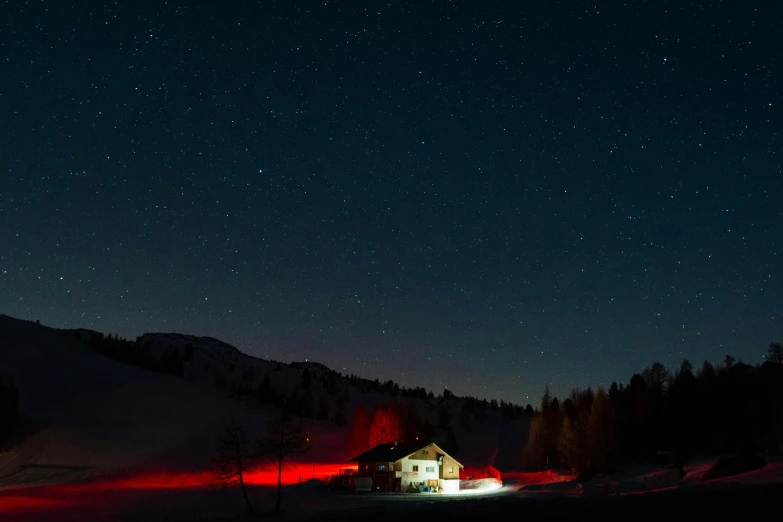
486	487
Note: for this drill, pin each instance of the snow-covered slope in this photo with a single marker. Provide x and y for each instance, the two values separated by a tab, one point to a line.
89	415
85	415
219	364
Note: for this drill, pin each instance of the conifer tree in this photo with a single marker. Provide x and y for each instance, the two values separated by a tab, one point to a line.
360	430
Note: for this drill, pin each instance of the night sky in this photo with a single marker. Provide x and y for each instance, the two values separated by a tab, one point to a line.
485	196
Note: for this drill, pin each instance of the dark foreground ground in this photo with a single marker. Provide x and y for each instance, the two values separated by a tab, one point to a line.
702	503
758	502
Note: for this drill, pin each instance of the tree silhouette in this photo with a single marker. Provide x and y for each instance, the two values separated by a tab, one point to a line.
686	368
451	443
775	353
568	444
546	399
282	438
386	425
339	413
411	424
599	436
427	431
685	413
481	411
444	418
234	455
552	419
536	448
306	379
655	376
707	371
360	430
682	410
465	423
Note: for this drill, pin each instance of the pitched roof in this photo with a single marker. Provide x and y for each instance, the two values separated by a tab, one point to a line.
392	452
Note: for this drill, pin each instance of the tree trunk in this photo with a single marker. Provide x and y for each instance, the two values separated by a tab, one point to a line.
244	493
242	482
279	472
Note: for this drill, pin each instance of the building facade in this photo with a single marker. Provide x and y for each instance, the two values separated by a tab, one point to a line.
407	468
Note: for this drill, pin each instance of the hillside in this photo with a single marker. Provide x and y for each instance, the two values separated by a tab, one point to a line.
92	406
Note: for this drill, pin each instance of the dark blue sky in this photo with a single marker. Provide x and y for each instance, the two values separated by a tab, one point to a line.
488	196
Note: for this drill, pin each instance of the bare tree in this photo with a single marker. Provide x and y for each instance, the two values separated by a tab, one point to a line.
233	457
282	438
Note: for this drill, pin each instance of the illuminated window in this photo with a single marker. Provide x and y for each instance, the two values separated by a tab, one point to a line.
430	469
425	452
416	467
381	467
451	470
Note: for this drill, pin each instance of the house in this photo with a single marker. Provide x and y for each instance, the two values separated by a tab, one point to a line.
406	467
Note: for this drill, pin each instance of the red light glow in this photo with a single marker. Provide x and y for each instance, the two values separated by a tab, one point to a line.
58	497
481	473
538	478
386	426
26	504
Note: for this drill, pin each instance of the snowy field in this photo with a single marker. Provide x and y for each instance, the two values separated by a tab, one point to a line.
96	503
632	480
311	499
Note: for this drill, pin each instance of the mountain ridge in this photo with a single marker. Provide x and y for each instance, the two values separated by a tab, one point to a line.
110	406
